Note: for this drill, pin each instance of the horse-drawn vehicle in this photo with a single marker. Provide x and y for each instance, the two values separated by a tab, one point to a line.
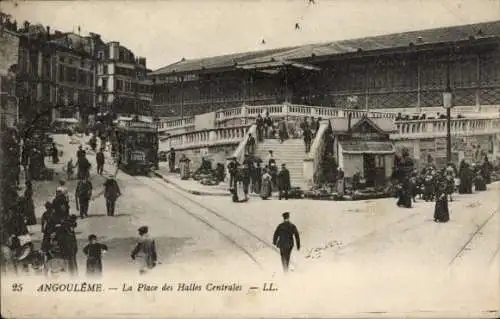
137	146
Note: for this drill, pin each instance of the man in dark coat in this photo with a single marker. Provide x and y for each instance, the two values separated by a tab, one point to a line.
283	239
99	158
283	182
307	139
171	160
83	167
61	206
250	147
83	195
111	194
260	128
94	251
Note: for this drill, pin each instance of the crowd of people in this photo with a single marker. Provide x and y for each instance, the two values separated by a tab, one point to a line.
59	245
439	185
258	179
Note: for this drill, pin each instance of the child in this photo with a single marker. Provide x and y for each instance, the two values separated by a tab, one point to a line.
94	251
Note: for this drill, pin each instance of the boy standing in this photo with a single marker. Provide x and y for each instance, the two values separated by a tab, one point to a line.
94	251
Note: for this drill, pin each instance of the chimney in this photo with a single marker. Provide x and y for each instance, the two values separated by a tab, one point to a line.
48	33
349	118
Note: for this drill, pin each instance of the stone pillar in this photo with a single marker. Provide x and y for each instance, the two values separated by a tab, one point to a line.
308	171
39	71
244	114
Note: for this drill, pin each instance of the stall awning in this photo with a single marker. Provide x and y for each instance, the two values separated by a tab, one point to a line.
367	147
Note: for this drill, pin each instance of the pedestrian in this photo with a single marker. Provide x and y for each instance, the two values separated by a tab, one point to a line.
171	160
270	158
54	152
94	251
404	197
28	206
268	123
256	177
441	211
266	185
48	224
307	139
83	167
60	205
232	167
80	152
146	250
70	169
283	239
83	195
250	146
69	244
111	194
260	128
99	158
283	182
245	177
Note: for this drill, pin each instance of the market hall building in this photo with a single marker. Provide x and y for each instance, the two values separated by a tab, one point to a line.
390	71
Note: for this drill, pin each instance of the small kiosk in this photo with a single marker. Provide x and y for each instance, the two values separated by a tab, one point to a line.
362	146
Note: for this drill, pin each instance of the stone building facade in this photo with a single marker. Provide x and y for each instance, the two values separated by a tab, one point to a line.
122	85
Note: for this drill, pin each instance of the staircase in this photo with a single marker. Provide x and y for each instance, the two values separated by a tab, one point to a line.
291	152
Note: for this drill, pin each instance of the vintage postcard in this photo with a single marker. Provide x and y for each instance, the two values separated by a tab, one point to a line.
216	158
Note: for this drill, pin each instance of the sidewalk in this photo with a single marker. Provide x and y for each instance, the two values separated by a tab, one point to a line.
194	187
191	186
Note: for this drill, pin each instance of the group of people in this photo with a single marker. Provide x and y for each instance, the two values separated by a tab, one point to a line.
433	185
309	130
258	179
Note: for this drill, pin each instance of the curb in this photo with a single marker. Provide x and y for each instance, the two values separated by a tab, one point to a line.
198	193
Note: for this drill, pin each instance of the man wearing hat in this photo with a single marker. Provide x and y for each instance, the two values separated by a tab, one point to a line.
111	194
283	239
146	250
283	182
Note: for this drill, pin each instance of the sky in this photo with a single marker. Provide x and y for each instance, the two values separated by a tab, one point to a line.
166	31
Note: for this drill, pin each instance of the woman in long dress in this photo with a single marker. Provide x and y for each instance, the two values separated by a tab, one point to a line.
266	185
441	212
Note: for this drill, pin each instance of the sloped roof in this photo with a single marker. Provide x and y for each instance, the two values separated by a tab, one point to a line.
222	61
341	125
402	39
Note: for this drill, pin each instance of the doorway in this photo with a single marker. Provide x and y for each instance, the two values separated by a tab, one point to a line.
369	165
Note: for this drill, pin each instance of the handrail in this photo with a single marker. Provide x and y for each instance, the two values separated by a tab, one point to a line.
412	129
315	154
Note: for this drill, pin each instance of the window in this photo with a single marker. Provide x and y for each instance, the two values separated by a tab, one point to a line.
100	55
61	73
105	69
61	59
105	85
119	85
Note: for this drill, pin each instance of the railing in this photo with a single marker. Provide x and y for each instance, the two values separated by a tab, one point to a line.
204	138
413	129
313	161
416	129
239	116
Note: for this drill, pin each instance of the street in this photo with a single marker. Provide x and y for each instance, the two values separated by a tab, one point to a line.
361	250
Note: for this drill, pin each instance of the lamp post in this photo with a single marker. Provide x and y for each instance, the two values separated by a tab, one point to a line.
448	104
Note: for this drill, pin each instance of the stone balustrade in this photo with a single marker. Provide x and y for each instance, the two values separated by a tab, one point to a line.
406	130
204	138
241	114
416	129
